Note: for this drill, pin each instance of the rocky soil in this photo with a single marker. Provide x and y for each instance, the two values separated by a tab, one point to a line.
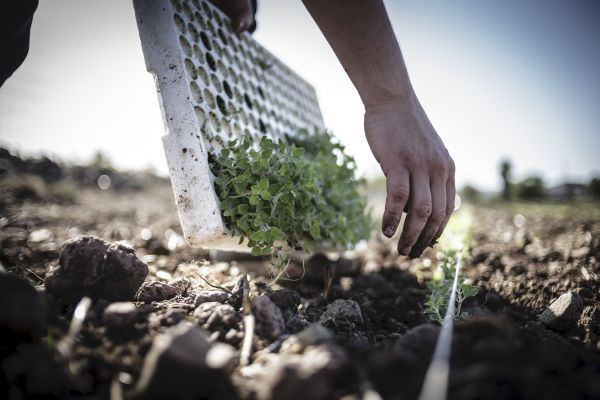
166	321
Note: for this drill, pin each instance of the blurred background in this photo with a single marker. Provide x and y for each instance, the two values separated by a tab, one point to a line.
512	87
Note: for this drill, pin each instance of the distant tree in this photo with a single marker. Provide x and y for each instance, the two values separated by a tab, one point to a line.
470	193
505	173
531	188
100	161
594	187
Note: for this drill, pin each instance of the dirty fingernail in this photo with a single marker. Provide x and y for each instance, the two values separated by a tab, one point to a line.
389	231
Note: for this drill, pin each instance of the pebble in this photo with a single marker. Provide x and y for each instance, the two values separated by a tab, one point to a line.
211	296
342	310
213	314
563	313
183	364
90	266
156	291
269	321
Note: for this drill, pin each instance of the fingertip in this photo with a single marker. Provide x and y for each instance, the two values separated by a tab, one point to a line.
404	250
416	252
239	25
389	230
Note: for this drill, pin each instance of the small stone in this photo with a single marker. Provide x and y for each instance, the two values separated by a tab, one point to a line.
183	364
21	311
286	299
120	315
563	313
210	296
90	266
215	314
156	291
269	321
340	310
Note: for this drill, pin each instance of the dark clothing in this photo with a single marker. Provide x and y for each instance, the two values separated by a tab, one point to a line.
15	26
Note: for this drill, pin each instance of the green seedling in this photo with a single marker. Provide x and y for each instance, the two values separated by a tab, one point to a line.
290	194
441	287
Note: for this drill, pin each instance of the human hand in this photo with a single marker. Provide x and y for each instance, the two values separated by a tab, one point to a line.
419	172
241	13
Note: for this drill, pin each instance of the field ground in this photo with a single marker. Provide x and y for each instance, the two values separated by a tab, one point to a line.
523	257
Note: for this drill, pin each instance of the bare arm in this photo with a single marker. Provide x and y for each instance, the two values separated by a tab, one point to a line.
418	168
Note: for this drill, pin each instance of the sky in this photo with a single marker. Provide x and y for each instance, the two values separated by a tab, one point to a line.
510	79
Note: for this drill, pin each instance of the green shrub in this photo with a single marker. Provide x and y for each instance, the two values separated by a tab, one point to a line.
302	191
593	188
531	188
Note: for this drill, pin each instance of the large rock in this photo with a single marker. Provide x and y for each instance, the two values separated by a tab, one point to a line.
89	266
183	364
563	313
21	311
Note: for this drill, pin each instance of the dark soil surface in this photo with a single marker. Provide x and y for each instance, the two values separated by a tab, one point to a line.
366	336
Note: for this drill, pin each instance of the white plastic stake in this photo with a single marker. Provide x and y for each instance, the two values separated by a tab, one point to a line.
214	86
435	386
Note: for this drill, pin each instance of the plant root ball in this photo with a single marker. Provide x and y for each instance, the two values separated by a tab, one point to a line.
90	266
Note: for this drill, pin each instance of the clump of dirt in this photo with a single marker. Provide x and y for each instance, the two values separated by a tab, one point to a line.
89	266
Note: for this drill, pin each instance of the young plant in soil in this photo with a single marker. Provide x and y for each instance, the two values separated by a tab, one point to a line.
290	194
441	287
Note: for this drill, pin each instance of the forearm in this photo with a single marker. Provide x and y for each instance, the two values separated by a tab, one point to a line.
418	168
362	38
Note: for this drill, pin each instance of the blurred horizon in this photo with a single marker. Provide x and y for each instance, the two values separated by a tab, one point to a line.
508	80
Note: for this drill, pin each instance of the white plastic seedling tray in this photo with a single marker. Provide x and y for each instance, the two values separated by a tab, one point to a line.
214	86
